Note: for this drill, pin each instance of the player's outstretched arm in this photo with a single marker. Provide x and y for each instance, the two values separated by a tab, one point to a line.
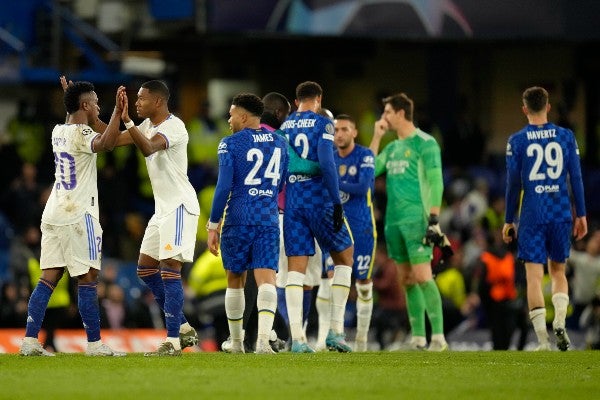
381	126
146	146
107	140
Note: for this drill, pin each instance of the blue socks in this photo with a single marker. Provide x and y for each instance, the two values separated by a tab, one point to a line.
88	309
36	309
173	301
282	305
306	302
151	276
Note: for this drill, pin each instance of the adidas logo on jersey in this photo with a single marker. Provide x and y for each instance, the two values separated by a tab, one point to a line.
168	247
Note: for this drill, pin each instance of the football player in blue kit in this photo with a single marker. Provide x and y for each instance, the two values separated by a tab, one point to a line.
313	210
253	163
542	162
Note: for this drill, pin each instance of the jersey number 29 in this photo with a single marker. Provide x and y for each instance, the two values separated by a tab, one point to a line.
551	154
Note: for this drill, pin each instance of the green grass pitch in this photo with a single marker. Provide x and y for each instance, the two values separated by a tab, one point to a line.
374	375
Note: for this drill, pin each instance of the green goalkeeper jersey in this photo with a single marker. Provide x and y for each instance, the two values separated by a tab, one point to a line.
414	177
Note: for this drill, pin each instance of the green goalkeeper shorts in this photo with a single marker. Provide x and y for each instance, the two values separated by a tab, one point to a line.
405	243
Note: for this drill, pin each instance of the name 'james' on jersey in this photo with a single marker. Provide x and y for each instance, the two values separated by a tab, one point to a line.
540	158
260	160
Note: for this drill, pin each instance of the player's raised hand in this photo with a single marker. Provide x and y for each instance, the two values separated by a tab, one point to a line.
381	127
64	83
125	111
121	100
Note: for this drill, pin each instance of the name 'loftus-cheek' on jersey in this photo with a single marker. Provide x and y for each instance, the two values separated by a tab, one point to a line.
308	132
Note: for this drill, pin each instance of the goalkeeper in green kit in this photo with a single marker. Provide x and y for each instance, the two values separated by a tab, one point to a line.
414	183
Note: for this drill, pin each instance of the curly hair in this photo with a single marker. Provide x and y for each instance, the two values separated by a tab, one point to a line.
73	95
250	102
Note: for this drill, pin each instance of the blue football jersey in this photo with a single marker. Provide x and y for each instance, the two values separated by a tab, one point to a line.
541	161
259	160
311	136
357	184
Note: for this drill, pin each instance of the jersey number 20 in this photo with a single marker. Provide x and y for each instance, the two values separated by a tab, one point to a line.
66	165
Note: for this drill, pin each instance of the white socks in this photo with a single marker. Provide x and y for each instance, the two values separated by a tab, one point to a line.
561	303
340	287
364	309
174	342
234	308
294	293
323	305
538	319
266	302
184	328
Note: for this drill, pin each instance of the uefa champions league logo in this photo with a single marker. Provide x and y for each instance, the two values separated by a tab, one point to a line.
335	17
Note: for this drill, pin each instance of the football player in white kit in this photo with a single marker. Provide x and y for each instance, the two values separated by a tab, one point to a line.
71	231
170	236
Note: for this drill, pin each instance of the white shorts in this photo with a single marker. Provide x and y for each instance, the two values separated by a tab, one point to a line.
314	268
172	236
78	247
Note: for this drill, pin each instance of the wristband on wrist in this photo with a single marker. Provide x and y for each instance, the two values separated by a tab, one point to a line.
129	125
212	226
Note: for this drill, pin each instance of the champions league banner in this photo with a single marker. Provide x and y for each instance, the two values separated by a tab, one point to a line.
410	19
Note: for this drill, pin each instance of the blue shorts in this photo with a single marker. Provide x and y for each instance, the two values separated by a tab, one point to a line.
302	225
364	252
539	242
364	255
246	247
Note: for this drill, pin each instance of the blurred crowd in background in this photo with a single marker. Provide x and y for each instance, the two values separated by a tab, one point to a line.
483	285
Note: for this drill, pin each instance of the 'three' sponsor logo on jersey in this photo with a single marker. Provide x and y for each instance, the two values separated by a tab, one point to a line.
547	189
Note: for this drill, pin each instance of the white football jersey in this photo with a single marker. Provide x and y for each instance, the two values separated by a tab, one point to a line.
167	168
75	189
